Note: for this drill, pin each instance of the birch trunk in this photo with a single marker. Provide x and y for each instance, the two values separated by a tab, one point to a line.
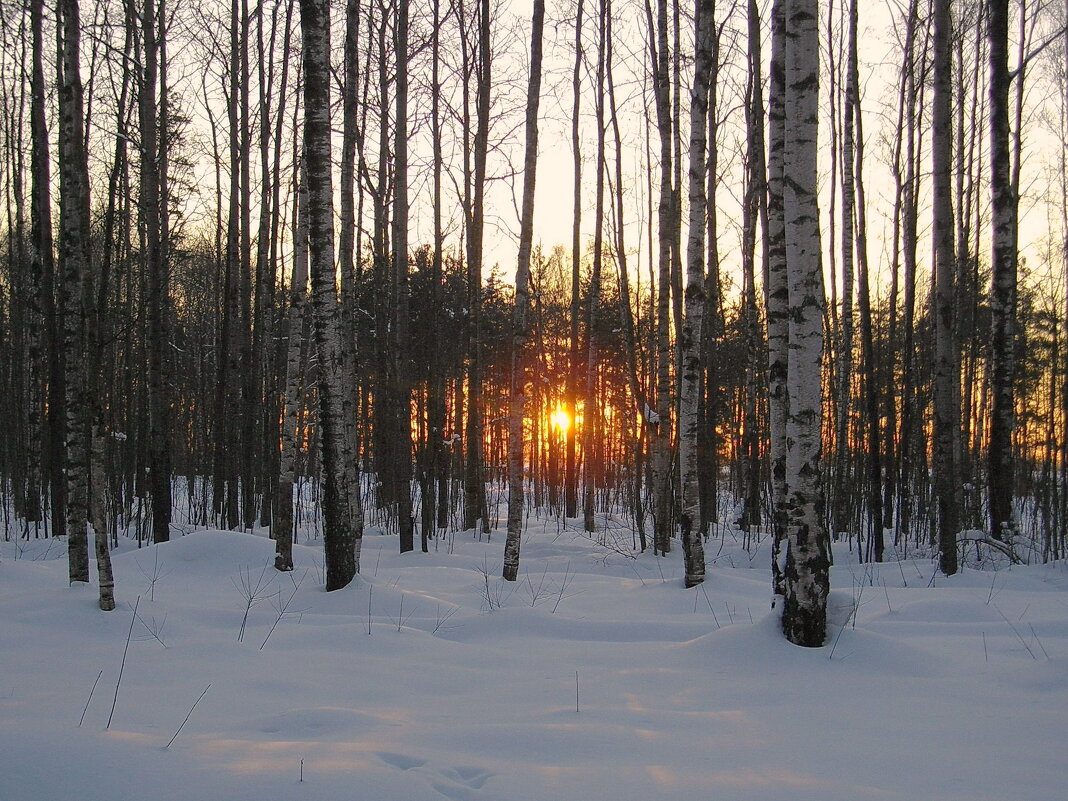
626	317
521	328
692	548
591	457
282	523
570	461
74	260
867	342
659	420
807	567
840	511
1003	281
946	380
710	406
342	512
401	391
911	93
436	500
263	314
105	576
474	485
153	145
776	290
347	252
42	258
755	210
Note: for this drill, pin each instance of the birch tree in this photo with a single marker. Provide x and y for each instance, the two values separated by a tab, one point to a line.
282	521
399	361
153	122
1003	279
626	316
43	265
521	331
776	290
806	571
591	457
946	366
570	460
475	214
755	207
436	494
342	511
659	420
692	548
855	153
74	261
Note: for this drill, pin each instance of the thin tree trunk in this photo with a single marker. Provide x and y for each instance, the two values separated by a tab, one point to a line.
754	211
777	293
570	459
637	399
474	484
282	522
690	379
153	146
42	271
520	328
400	360
342	511
946	367
1000	468
840	512
436	500
591	459
74	261
659	421
867	340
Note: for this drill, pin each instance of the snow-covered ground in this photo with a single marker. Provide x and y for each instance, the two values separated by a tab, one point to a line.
597	676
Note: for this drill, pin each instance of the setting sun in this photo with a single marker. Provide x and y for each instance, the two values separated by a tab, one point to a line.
561	420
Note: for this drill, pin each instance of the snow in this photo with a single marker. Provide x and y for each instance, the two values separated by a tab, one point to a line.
465	687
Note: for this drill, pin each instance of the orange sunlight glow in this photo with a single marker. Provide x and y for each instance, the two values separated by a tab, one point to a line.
560	420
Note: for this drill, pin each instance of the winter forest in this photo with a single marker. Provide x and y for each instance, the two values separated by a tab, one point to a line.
640	284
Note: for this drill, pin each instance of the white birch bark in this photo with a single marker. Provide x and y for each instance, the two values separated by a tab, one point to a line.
840	509
1003	280
521	331
41	258
806	572
74	256
342	511
282	521
105	576
777	296
695	298
659	421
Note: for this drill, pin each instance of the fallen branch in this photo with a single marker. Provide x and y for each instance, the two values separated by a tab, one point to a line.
997	545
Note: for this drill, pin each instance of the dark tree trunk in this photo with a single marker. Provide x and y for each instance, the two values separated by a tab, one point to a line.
946	367
520	328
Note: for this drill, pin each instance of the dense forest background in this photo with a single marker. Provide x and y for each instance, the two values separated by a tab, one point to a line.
163	361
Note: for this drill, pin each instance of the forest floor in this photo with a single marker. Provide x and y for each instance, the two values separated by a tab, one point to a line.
596	676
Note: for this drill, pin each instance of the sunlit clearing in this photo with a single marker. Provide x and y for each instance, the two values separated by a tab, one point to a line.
561	420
